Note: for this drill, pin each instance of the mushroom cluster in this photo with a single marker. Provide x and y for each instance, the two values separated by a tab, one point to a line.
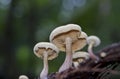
70	39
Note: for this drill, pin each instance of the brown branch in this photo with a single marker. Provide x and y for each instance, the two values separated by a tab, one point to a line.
109	60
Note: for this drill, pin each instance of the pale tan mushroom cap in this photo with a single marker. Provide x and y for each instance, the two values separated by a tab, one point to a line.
82	40
83	35
23	77
64	29
73	31
94	39
50	48
81	54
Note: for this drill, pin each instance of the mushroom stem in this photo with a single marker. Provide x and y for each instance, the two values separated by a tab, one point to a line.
90	51
44	73
68	60
75	64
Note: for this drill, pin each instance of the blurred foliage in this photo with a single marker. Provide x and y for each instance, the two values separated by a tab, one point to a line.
23	23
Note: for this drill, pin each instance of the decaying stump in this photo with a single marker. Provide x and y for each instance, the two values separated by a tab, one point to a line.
109	61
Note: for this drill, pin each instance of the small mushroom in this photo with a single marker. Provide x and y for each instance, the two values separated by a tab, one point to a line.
80	57
93	41
46	51
67	38
103	54
23	77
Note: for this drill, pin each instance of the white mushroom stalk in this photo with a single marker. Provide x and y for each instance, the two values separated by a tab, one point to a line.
44	73
80	57
23	77
46	51
93	41
68	38
68	60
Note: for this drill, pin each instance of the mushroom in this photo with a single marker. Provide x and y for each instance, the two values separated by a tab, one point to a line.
80	57
46	51
93	41
103	54
67	38
23	77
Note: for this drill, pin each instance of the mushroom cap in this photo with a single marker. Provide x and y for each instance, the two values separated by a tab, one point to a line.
59	34
80	55
83	35
82	39
96	41
50	48
23	77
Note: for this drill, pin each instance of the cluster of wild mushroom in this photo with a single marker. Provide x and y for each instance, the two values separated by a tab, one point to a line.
70	39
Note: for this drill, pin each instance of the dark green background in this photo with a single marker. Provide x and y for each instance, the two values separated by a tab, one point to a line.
23	23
